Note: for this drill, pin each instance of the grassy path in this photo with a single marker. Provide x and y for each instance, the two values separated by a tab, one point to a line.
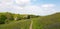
31	25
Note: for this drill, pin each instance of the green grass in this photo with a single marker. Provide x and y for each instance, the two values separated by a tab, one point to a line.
22	24
44	22
47	22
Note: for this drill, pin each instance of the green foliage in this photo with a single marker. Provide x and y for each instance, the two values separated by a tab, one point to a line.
9	16
2	19
39	22
21	24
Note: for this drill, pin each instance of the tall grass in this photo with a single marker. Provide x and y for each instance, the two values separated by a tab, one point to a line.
22	24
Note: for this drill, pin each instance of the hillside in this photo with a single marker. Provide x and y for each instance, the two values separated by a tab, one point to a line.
47	22
42	22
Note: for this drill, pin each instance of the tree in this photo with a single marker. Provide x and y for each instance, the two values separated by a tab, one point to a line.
17	17
28	17
9	16
2	19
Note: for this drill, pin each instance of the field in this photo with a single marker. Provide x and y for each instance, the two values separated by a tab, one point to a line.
41	22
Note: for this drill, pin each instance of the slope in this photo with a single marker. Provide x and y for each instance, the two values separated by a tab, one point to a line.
47	22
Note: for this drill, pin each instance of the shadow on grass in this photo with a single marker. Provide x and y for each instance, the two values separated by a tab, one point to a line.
53	26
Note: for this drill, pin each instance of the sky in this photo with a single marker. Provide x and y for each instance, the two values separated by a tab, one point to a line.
37	7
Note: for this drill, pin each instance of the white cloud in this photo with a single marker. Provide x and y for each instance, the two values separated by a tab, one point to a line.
37	10
32	9
22	2
5	5
6	1
48	9
48	5
8	5
28	10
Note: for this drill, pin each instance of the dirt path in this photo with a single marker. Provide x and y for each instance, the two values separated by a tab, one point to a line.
31	24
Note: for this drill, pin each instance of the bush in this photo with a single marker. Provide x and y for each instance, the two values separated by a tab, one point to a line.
2	19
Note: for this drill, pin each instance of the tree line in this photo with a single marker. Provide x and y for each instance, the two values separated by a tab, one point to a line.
7	17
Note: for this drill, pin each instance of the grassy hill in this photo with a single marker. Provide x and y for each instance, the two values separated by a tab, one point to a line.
42	22
47	22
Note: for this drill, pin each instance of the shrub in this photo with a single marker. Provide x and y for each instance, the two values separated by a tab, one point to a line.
2	19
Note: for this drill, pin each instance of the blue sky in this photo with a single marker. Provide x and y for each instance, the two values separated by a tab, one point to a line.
37	7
